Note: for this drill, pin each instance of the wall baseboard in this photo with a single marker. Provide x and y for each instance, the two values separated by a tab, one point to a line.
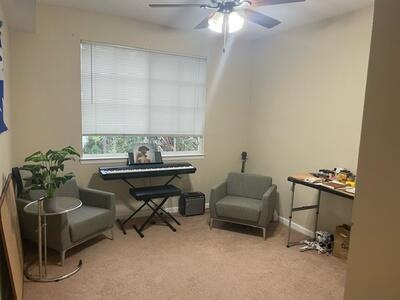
284	221
175	209
296	227
146	211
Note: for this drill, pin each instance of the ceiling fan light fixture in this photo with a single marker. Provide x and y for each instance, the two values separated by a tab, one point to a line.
235	22
216	23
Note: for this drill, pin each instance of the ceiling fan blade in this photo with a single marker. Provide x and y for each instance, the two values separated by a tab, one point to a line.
204	24
255	3
261	19
179	5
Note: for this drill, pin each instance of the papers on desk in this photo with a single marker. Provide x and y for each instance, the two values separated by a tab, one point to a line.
313	179
339	186
351	190
333	185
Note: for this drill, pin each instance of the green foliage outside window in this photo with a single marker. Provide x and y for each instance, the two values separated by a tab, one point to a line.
97	145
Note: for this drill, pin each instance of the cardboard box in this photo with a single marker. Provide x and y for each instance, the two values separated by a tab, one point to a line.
342	241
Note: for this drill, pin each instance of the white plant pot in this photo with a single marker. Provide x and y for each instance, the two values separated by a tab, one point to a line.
49	204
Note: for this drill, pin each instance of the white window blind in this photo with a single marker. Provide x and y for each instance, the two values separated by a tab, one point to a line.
137	92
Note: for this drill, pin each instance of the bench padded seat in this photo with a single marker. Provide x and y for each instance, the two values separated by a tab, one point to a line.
154	192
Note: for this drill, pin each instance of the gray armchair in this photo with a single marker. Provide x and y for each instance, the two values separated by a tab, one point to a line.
244	199
66	231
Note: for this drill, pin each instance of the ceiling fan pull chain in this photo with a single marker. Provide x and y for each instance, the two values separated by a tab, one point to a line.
226	31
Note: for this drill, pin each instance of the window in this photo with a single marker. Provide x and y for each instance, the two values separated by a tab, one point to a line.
131	96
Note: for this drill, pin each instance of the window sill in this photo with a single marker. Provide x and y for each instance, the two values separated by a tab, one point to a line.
87	160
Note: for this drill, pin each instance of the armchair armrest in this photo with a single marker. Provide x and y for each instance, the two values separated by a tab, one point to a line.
217	193
97	198
21	203
268	206
27	222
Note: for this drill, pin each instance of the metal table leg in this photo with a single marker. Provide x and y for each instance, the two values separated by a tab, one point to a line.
45	244
42	276
291	213
316	215
301	208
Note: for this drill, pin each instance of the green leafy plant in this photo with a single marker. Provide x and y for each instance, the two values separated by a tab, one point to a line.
46	168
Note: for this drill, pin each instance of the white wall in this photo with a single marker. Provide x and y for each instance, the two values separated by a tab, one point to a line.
5	138
306	108
5	148
19	14
374	258
47	96
306	87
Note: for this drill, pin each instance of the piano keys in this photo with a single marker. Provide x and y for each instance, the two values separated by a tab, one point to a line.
146	170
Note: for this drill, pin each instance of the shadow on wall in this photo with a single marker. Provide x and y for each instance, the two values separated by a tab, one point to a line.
278	204
334	211
3	182
121	190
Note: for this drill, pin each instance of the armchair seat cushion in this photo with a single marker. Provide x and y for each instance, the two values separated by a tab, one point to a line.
88	220
239	208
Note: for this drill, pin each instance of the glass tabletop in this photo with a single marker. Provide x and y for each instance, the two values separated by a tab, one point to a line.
62	206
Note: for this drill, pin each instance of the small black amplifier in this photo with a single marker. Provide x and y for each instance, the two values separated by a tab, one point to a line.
191	204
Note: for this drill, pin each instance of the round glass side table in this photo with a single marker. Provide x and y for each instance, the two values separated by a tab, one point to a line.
63	205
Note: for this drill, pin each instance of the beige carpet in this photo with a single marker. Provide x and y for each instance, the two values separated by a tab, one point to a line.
228	262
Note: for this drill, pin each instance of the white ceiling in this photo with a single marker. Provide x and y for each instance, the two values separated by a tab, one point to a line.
291	15
19	14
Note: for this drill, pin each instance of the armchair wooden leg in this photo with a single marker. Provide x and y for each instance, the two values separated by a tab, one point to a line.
112	233
211	223
264	233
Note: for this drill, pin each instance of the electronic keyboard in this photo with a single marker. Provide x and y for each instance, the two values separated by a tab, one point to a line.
146	170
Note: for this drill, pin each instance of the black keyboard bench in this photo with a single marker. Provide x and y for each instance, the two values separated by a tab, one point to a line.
147	194
154	192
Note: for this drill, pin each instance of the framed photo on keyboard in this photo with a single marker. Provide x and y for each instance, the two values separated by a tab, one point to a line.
146	154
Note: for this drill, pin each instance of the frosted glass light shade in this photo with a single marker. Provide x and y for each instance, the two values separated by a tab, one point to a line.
216	23
235	22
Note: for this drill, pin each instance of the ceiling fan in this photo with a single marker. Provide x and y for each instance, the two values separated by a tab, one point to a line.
228	16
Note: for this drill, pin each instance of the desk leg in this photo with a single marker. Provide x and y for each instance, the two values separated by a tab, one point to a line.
291	213
316	215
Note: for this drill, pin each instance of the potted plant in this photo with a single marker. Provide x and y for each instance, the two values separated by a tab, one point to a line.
46	168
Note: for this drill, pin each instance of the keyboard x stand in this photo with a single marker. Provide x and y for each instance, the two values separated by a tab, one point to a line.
147	194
